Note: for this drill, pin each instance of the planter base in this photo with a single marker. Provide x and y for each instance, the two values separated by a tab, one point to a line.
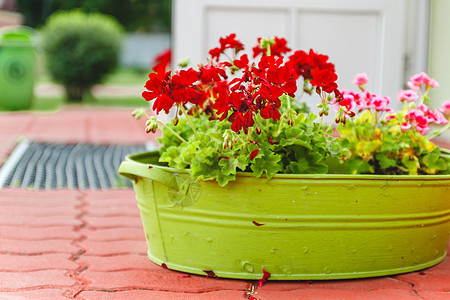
322	276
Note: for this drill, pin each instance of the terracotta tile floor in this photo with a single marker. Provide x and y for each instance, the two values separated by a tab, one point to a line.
89	244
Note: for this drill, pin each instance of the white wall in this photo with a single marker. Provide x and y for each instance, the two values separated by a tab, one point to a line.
439	53
139	49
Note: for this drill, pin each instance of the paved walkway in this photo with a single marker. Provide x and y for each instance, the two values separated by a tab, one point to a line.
67	244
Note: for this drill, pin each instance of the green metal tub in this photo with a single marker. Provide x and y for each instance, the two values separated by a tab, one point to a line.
297	227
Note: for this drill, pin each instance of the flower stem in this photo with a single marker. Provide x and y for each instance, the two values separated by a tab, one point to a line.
320	124
190	122
329	127
439	132
243	142
173	132
249	134
280	127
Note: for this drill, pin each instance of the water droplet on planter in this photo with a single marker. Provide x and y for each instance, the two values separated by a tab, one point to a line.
390	248
327	270
209	240
433	237
436	252
305	250
247	266
273	250
305	189
354	251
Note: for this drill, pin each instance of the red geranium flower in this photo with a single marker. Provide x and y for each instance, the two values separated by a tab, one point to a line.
229	42
303	63
162	61
159	89
210	74
278	48
324	79
242	62
184	89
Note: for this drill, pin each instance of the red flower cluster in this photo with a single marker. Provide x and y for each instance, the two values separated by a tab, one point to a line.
179	88
278	48
162	61
254	90
303	63
228	42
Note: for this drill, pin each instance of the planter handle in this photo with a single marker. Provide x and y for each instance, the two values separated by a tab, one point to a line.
133	171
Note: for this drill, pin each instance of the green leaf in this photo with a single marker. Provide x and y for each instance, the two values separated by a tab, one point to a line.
434	162
228	165
172	157
411	162
385	162
266	162
356	165
307	162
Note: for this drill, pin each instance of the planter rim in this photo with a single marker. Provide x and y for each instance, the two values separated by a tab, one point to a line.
133	159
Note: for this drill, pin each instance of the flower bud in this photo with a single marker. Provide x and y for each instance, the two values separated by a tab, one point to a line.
152	125
138	113
184	62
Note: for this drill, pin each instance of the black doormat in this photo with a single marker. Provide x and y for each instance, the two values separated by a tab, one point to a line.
73	166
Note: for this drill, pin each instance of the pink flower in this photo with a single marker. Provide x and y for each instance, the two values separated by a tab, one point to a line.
380	103
433	83
433	116
407	95
418	80
440	118
445	108
348	100
405	126
364	100
417	118
390	117
360	79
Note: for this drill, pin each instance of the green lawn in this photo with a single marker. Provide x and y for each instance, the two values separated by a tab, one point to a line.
121	77
128	77
53	103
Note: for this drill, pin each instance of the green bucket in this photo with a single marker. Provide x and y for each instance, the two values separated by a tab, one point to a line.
17	67
297	227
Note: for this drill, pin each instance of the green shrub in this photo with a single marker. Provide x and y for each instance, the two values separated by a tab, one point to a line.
80	49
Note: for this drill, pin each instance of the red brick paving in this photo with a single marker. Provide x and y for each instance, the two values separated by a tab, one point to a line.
69	244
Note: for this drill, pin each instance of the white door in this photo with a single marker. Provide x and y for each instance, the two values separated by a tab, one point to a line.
358	35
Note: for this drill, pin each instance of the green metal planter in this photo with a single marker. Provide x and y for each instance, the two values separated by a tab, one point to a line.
295	226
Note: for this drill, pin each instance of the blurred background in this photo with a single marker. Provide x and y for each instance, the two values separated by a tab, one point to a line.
145	27
389	40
